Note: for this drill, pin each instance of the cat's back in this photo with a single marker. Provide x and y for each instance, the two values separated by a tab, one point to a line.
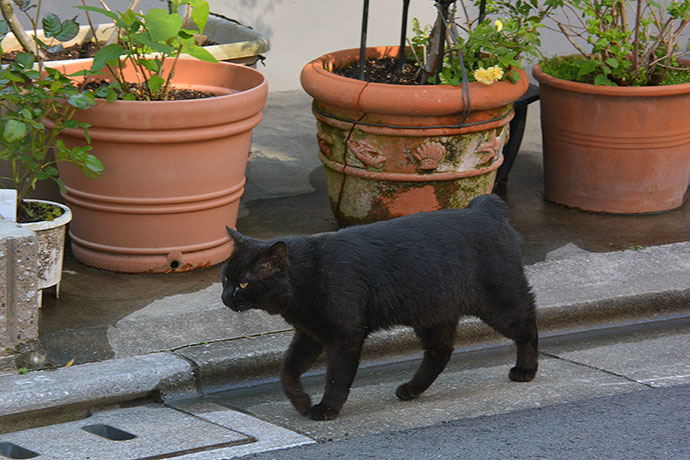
485	217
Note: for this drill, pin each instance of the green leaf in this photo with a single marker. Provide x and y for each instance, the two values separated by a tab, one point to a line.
154	65
143	39
80	101
586	67
26	60
14	131
155	83
602	80
130	20
107	13
3	27
51	171
106	54
69	30
12	77
93	166
161	25
55	48
199	52
613	63
200	15
51	24
112	95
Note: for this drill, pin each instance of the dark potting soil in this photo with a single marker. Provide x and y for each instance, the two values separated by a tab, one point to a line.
173	95
31	211
384	70
80	51
89	49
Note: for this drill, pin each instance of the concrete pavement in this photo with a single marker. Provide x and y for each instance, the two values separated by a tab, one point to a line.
135	336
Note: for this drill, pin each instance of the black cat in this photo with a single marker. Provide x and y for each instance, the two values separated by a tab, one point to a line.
425	271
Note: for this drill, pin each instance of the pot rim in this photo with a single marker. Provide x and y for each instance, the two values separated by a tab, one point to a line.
394	99
64	219
262	85
622	91
209	113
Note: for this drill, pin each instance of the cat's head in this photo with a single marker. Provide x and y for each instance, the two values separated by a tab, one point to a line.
255	276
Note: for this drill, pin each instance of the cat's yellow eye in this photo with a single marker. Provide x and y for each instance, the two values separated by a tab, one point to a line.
243	285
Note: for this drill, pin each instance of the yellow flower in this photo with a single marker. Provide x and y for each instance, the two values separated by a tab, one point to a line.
499	25
482	76
496	72
488	76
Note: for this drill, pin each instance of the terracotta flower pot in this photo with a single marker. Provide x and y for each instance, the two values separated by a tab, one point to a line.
174	173
391	150
615	149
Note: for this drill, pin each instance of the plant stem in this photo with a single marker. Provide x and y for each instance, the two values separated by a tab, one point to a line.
636	42
15	26
93	29
166	87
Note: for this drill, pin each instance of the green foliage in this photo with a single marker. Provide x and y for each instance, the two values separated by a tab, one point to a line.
583	70
146	41
502	40
624	42
36	105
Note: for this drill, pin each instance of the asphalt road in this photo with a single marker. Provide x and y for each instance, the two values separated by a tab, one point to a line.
647	424
614	393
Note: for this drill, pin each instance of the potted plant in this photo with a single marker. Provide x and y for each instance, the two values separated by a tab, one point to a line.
174	166
615	137
430	134
36	105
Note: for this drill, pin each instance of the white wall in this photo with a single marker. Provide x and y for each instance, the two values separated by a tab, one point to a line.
301	30
298	30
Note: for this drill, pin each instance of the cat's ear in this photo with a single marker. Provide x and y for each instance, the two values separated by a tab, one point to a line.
236	236
272	260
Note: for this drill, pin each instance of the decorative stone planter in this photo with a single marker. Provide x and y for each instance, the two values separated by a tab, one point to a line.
174	172
392	150
615	149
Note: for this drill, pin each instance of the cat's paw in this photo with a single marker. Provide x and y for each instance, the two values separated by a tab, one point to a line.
520	374
322	412
405	393
301	402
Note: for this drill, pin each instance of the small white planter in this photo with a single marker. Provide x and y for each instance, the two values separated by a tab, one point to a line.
51	247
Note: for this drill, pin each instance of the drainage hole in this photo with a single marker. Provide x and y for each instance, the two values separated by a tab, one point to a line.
108	432
13	451
175	264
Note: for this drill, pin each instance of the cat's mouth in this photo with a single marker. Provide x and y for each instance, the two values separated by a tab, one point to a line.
239	306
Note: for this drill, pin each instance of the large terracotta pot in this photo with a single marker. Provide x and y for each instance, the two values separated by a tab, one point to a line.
174	173
391	150
615	149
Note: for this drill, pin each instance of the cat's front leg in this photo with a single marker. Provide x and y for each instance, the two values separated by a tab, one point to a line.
343	360
299	357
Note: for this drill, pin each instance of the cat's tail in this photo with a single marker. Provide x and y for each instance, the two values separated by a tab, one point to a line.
490	204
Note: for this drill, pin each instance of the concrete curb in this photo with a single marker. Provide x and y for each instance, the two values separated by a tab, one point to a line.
583	292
